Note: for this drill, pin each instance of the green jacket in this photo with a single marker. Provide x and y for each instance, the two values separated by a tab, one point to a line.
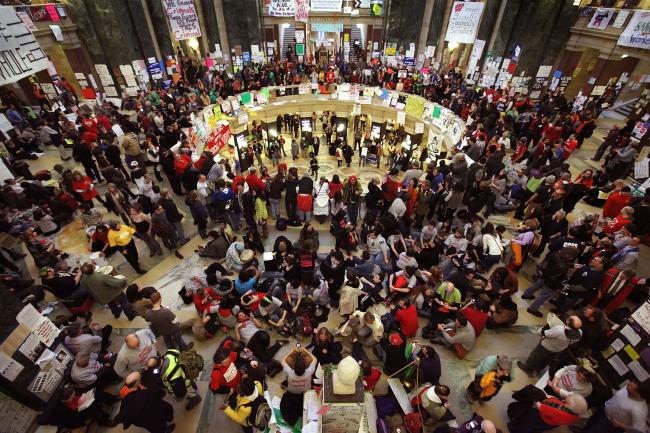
103	288
352	193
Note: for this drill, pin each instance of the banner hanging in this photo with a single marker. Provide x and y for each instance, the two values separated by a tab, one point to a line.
302	10
463	22
637	32
600	19
282	8
182	18
326	5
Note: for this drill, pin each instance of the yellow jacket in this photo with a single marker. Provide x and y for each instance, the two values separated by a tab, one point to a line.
242	410
489	385
261	213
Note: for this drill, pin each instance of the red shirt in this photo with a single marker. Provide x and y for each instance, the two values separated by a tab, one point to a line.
225	375
334	188
615	202
390	190
86	188
255	182
371	380
408	320
89	137
90	125
103	120
202	305
180	164
615	224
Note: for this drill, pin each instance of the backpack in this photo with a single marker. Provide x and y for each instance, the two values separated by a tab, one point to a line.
302	325
281	224
260	413
192	363
307	260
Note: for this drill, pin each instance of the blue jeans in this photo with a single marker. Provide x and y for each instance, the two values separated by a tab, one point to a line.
275	207
378	259
546	294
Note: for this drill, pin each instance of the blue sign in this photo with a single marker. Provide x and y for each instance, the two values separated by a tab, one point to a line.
154	68
409	61
557	74
167	84
246	56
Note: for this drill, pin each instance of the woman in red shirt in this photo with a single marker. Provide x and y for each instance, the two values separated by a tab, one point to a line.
391	186
84	186
371	375
616	201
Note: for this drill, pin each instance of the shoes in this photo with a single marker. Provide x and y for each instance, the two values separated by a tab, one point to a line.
189	346
193	402
151	254
535	313
140	271
179	255
226	273
184	241
527	297
523	368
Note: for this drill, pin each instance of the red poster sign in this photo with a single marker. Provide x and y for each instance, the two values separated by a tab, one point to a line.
218	139
52	12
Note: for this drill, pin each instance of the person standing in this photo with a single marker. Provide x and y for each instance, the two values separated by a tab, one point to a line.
121	236
626	411
162	321
173	215
144	407
352	191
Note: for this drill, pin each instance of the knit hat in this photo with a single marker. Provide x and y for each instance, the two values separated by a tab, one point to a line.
43	271
353	178
395	339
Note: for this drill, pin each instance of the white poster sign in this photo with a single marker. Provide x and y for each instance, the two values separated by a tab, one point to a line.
637	32
544	71
326	5
182	18
463	22
475	56
282	8
20	53
620	18
600	19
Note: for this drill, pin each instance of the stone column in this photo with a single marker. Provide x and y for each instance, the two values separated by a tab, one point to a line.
497	24
223	34
205	44
440	49
424	30
152	33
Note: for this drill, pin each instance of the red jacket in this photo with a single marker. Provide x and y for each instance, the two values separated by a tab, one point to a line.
181	164
615	202
553	411
624	292
615	224
89	137
225	375
103	120
408	320
390	189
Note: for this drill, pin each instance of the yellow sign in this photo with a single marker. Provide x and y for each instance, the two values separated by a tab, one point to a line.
212	121
414	106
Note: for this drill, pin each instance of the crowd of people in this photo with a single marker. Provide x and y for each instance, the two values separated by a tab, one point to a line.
413	246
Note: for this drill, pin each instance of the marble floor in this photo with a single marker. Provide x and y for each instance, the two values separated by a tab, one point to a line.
168	273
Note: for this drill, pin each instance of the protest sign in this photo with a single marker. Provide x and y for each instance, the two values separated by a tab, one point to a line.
282	8
637	32
463	22
22	55
182	18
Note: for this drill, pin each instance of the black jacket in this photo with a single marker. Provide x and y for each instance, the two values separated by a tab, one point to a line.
554	271
305	185
173	215
145	408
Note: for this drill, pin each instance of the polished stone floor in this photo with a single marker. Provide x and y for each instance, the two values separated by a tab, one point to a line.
168	273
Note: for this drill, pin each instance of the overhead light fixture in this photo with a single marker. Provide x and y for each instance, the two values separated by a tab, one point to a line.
453	45
285	25
624	56
193	43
